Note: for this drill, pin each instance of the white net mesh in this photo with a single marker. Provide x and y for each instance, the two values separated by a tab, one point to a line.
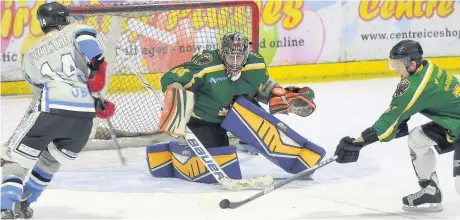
154	37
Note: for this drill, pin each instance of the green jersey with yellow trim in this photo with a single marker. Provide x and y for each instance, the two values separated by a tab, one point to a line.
205	75
431	91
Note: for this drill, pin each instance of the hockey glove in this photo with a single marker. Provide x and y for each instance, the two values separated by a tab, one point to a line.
177	110
292	99
104	109
96	79
403	130
347	150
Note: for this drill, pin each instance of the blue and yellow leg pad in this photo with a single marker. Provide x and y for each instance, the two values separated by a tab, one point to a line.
271	137
171	159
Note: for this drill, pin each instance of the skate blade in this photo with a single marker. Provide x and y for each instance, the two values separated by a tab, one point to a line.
433	207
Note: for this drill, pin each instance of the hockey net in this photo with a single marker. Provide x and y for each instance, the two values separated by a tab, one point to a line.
151	38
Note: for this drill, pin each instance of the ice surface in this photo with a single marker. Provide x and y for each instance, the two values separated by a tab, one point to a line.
96	186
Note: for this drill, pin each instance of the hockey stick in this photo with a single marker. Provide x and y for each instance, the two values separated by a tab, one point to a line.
113	135
109	55
225	203
200	150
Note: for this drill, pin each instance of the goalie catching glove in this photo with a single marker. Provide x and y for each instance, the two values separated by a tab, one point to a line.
177	110
292	99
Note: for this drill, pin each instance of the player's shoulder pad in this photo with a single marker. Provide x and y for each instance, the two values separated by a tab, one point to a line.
81	29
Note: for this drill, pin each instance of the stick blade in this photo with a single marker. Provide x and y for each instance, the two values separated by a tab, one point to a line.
234	205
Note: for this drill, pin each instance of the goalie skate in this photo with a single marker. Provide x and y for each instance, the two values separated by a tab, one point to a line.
428	199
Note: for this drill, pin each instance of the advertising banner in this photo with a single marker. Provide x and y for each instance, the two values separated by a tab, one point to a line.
292	32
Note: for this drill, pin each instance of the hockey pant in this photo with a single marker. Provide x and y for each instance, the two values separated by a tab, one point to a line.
43	143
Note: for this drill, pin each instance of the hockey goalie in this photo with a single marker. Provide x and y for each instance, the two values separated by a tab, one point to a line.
219	91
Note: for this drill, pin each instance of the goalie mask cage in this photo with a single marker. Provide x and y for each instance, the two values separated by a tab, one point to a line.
152	38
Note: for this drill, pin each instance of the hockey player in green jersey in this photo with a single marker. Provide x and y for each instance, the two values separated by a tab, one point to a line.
200	93
427	89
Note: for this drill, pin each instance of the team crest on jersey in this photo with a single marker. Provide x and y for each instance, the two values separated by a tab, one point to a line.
203	59
402	88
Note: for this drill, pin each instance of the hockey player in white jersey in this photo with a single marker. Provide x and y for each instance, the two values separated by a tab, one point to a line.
65	69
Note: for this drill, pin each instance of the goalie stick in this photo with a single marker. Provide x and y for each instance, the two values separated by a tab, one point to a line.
198	148
225	203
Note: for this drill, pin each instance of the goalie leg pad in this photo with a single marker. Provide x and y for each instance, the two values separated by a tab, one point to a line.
159	160
179	161
271	137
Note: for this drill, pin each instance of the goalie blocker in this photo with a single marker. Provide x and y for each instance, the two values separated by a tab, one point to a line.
263	132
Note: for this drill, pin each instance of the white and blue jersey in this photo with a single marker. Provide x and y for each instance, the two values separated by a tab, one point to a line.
56	68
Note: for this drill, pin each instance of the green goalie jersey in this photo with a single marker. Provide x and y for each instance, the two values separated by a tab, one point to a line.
430	91
205	75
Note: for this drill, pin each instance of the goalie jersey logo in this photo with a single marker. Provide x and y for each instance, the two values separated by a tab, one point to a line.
203	59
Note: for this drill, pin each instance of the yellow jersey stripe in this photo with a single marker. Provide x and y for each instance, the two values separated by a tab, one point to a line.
419	91
220	67
254	66
203	72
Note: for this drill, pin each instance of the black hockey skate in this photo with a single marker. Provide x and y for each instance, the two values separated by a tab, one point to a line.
7	214
428	199
23	210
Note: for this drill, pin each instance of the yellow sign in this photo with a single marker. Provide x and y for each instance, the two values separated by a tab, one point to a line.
398	9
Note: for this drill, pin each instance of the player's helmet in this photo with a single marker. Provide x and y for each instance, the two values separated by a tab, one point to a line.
52	14
234	52
404	52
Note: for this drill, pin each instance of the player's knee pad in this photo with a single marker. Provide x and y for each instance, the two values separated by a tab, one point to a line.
171	159
418	141
48	163
271	137
11	168
423	156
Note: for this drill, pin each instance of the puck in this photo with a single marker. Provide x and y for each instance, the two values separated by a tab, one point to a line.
224	203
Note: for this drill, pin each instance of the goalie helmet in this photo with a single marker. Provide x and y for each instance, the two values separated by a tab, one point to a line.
404	52
52	14
234	52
